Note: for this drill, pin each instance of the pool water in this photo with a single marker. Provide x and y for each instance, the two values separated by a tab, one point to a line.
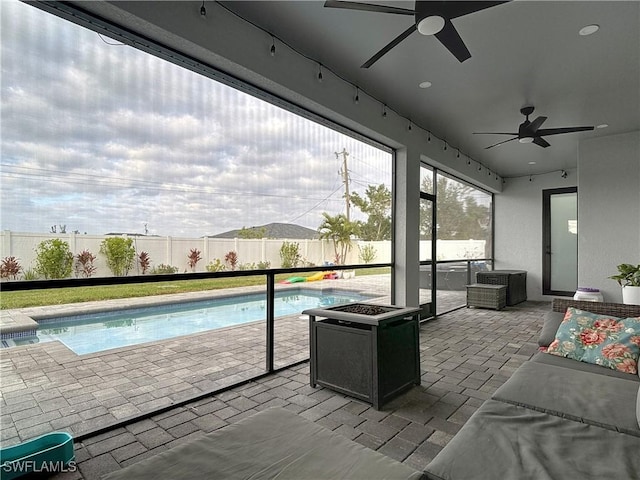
96	332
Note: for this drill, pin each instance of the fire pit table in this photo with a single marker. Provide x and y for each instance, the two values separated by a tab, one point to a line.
367	351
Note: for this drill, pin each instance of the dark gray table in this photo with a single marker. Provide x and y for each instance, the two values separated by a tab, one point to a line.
370	357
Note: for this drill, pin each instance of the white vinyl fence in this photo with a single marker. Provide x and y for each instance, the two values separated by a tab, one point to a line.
174	251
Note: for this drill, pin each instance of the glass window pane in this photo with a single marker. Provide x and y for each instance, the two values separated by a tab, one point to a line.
123	142
426	179
564	242
464	220
99	138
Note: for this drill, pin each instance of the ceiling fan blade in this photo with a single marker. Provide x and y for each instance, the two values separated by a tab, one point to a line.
368	7
450	38
460	8
558	131
495	133
541	142
389	46
500	143
536	124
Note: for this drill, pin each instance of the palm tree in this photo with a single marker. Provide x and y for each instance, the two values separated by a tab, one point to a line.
339	230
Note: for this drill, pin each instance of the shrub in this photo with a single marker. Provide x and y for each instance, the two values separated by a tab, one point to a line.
30	274
254	266
10	268
290	254
120	254
194	257
162	268
84	264
144	261
215	266
367	253
231	259
54	259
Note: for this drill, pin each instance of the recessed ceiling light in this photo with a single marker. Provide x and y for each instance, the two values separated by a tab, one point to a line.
602	125
424	84
589	30
532	163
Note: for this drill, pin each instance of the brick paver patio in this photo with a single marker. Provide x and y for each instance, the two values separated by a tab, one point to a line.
465	356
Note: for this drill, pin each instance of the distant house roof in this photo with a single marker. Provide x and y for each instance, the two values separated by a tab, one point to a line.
276	230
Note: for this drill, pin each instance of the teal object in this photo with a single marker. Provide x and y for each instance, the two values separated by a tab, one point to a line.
49	453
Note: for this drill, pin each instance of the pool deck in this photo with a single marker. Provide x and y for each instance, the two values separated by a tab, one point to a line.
465	356
46	386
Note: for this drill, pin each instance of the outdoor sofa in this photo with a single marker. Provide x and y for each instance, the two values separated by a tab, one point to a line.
556	417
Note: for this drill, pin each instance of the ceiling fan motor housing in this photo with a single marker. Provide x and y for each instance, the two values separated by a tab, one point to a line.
526	111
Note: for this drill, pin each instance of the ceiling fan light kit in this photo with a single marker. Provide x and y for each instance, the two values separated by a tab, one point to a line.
430	18
430	25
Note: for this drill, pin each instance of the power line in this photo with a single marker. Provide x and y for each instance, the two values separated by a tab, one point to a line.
316	205
54	176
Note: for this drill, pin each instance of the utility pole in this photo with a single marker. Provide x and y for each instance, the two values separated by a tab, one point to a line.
344	171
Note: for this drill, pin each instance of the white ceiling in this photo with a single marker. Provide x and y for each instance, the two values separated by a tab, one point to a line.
523	53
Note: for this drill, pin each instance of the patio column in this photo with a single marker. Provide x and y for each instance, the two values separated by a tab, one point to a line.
406	228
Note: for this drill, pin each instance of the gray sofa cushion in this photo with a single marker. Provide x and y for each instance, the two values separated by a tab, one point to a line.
557	361
552	321
638	407
505	441
599	400
274	443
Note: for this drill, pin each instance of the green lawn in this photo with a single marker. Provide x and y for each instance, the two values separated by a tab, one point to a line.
59	296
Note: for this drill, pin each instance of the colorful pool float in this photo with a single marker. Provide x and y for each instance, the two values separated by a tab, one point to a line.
312	278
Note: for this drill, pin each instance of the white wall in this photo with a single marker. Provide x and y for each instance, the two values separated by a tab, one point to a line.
518	226
608	209
608	180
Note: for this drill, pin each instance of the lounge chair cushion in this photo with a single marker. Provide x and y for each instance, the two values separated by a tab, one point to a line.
552	321
505	441
638	407
274	443
595	399
569	363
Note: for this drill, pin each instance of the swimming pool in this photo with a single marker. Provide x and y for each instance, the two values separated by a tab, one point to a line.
96	332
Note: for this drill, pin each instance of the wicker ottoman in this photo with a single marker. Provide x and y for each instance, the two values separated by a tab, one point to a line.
487	296
515	280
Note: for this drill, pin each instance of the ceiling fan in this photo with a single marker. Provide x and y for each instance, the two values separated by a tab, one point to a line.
530	132
431	18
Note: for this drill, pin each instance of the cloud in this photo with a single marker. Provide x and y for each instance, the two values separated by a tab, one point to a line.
105	138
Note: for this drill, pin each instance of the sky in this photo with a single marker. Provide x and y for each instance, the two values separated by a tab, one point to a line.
101	137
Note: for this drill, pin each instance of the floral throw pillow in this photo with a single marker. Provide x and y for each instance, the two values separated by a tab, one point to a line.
599	339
